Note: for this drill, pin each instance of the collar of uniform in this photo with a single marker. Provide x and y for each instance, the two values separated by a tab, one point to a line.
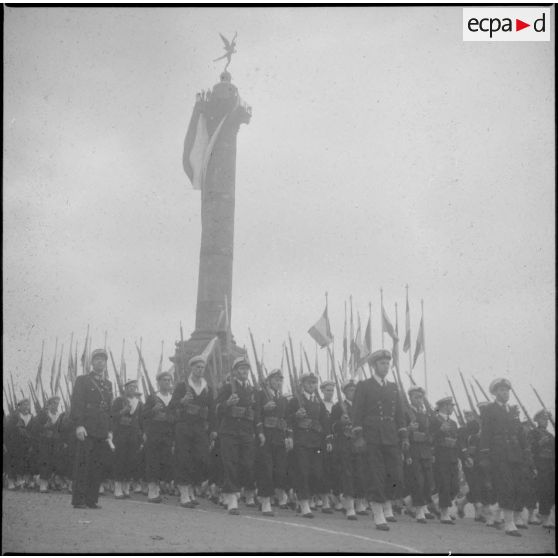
443	415
309	396
198	388
381	381
503	405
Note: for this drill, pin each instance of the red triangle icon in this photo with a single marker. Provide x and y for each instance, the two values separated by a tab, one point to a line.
519	25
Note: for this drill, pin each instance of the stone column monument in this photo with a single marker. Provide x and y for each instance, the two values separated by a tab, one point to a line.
223	112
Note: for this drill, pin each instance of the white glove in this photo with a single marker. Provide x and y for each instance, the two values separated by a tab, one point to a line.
81	433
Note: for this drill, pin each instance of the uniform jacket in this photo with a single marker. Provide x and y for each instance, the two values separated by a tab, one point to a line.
199	413
310	431
421	439
124	421
18	435
274	421
91	404
542	444
379	413
44	429
241	418
447	448
157	420
502	436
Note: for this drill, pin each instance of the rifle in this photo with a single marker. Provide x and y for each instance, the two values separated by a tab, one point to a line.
294	386
34	397
523	408
259	370
474	394
544	407
337	386
482	390
117	375
181	351
148	381
457	408
14	396
295	375
469	398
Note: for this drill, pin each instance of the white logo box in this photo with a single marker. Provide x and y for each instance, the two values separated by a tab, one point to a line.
499	24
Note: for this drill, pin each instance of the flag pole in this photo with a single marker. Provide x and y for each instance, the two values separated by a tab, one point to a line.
327	313
424	347
382	310
410	337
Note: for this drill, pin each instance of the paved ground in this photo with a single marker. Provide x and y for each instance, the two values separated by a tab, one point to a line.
46	523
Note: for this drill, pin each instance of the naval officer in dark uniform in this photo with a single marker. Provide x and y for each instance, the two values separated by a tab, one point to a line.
90	414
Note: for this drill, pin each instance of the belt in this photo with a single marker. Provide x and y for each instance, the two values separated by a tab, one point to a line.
309	424
448	442
242	412
419	437
196	410
275	422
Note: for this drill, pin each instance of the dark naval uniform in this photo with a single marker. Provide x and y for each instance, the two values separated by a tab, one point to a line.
19	445
158	426
447	453
503	451
127	438
90	408
195	419
349	460
309	435
237	429
271	458
50	437
378	414
419	474
544	456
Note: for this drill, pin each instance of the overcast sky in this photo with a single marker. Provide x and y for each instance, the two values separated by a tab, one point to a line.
383	150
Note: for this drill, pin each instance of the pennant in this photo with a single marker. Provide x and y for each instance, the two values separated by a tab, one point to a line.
368	338
321	331
407	342
387	327
40	368
210	348
419	346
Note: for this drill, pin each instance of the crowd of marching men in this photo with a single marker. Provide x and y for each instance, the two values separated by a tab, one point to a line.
355	447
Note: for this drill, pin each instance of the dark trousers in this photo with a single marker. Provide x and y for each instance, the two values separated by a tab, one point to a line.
385	472
271	468
507	477
191	454
446	474
237	455
49	458
158	458
88	471
331	473
309	472
215	465
419	480
126	455
474	482
545	485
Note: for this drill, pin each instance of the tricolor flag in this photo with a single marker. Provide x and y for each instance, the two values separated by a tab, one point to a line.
199	144
419	346
407	342
387	326
321	331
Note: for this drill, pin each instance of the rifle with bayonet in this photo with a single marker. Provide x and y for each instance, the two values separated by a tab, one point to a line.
457	408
